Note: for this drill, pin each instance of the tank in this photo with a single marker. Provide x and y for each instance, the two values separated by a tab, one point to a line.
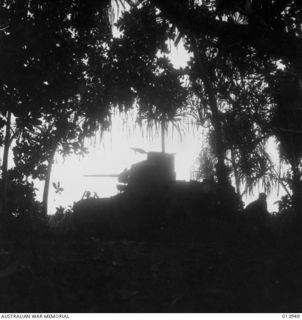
154	173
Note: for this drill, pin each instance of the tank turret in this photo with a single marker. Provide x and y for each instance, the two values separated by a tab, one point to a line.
157	171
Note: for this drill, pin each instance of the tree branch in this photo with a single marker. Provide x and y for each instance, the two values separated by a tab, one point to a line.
281	45
288	130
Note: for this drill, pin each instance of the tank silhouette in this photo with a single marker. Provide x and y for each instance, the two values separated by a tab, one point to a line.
154	173
150	197
156	176
154	180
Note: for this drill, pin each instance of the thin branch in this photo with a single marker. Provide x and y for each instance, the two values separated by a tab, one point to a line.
288	130
14	135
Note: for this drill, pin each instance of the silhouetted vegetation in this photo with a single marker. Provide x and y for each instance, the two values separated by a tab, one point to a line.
160	245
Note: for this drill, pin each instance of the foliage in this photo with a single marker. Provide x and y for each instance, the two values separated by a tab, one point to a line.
55	55
206	162
287	120
243	110
265	28
44	57
61	222
58	188
285	204
52	78
36	147
286	124
21	195
140	71
61	70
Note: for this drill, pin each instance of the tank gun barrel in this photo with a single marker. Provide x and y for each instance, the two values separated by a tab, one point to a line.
110	175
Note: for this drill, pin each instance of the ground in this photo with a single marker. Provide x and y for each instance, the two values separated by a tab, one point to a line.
216	265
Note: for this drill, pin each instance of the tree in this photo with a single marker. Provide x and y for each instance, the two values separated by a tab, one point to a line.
52	62
201	70
271	28
286	123
205	66
35	150
247	31
140	71
247	111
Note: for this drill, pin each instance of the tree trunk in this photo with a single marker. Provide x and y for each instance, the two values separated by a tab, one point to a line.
47	183
163	147
7	141
221	171
237	179
297	190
